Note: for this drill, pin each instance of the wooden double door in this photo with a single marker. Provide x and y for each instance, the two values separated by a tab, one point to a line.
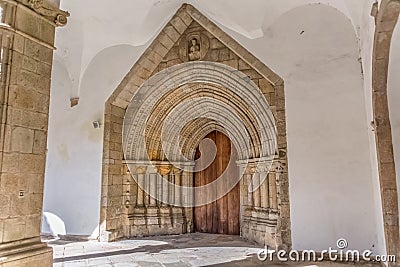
223	215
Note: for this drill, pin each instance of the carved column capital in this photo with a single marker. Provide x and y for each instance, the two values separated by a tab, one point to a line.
176	170
164	169
279	166
43	8
140	169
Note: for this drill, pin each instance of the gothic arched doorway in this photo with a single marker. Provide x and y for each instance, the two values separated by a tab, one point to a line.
168	102
223	215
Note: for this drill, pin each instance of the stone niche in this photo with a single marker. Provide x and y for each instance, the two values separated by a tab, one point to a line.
192	58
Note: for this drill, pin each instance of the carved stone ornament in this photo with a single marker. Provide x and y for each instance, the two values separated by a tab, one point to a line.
59	17
164	169
35	4
141	169
193	47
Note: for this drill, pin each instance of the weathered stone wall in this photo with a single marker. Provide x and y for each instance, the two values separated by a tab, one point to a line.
27	39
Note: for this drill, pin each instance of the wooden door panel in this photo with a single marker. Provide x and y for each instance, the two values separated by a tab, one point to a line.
222	215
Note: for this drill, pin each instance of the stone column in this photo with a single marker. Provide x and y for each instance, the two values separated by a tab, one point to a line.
153	186
249	179
273	198
178	183
171	187
27	31
141	173
165	211
187	197
265	191
256	193
152	217
164	171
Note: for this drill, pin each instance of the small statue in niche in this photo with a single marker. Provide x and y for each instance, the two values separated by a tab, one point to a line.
194	50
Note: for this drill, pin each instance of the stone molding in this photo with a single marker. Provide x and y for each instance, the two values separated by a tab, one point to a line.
55	16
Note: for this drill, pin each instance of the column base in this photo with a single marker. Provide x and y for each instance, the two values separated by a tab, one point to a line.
162	220
260	225
27	252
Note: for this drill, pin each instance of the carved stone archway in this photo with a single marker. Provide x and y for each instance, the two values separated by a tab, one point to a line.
192	57
385	21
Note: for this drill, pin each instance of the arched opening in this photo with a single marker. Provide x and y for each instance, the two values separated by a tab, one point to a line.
160	113
223	215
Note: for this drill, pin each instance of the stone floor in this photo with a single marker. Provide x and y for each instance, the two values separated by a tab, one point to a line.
184	250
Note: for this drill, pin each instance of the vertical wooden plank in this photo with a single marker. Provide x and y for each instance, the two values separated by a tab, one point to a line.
224	147
210	176
197	198
234	197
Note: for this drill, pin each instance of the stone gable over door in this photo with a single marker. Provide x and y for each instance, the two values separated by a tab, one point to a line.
171	47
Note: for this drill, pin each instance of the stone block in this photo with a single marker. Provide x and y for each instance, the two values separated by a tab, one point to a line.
29	64
19	205
231	63
32	164
178	24
10	163
159	49
224	54
35	203
34	120
14	116
46	55
388	176
46	32
212	55
186	18
40	142
216	44
14	229
43	87
172	54
173	62
172	33
35	183
265	86
5	204
32	49
19	43
243	65
22	140
27	23
44	69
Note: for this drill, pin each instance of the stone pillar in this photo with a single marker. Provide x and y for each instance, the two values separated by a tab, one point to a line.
249	179
27	31
178	183
265	191
273	203
153	187
164	171
165	211
171	187
141	173
256	188
187	196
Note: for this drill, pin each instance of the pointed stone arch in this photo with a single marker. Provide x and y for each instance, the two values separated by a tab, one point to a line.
168	50
385	20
